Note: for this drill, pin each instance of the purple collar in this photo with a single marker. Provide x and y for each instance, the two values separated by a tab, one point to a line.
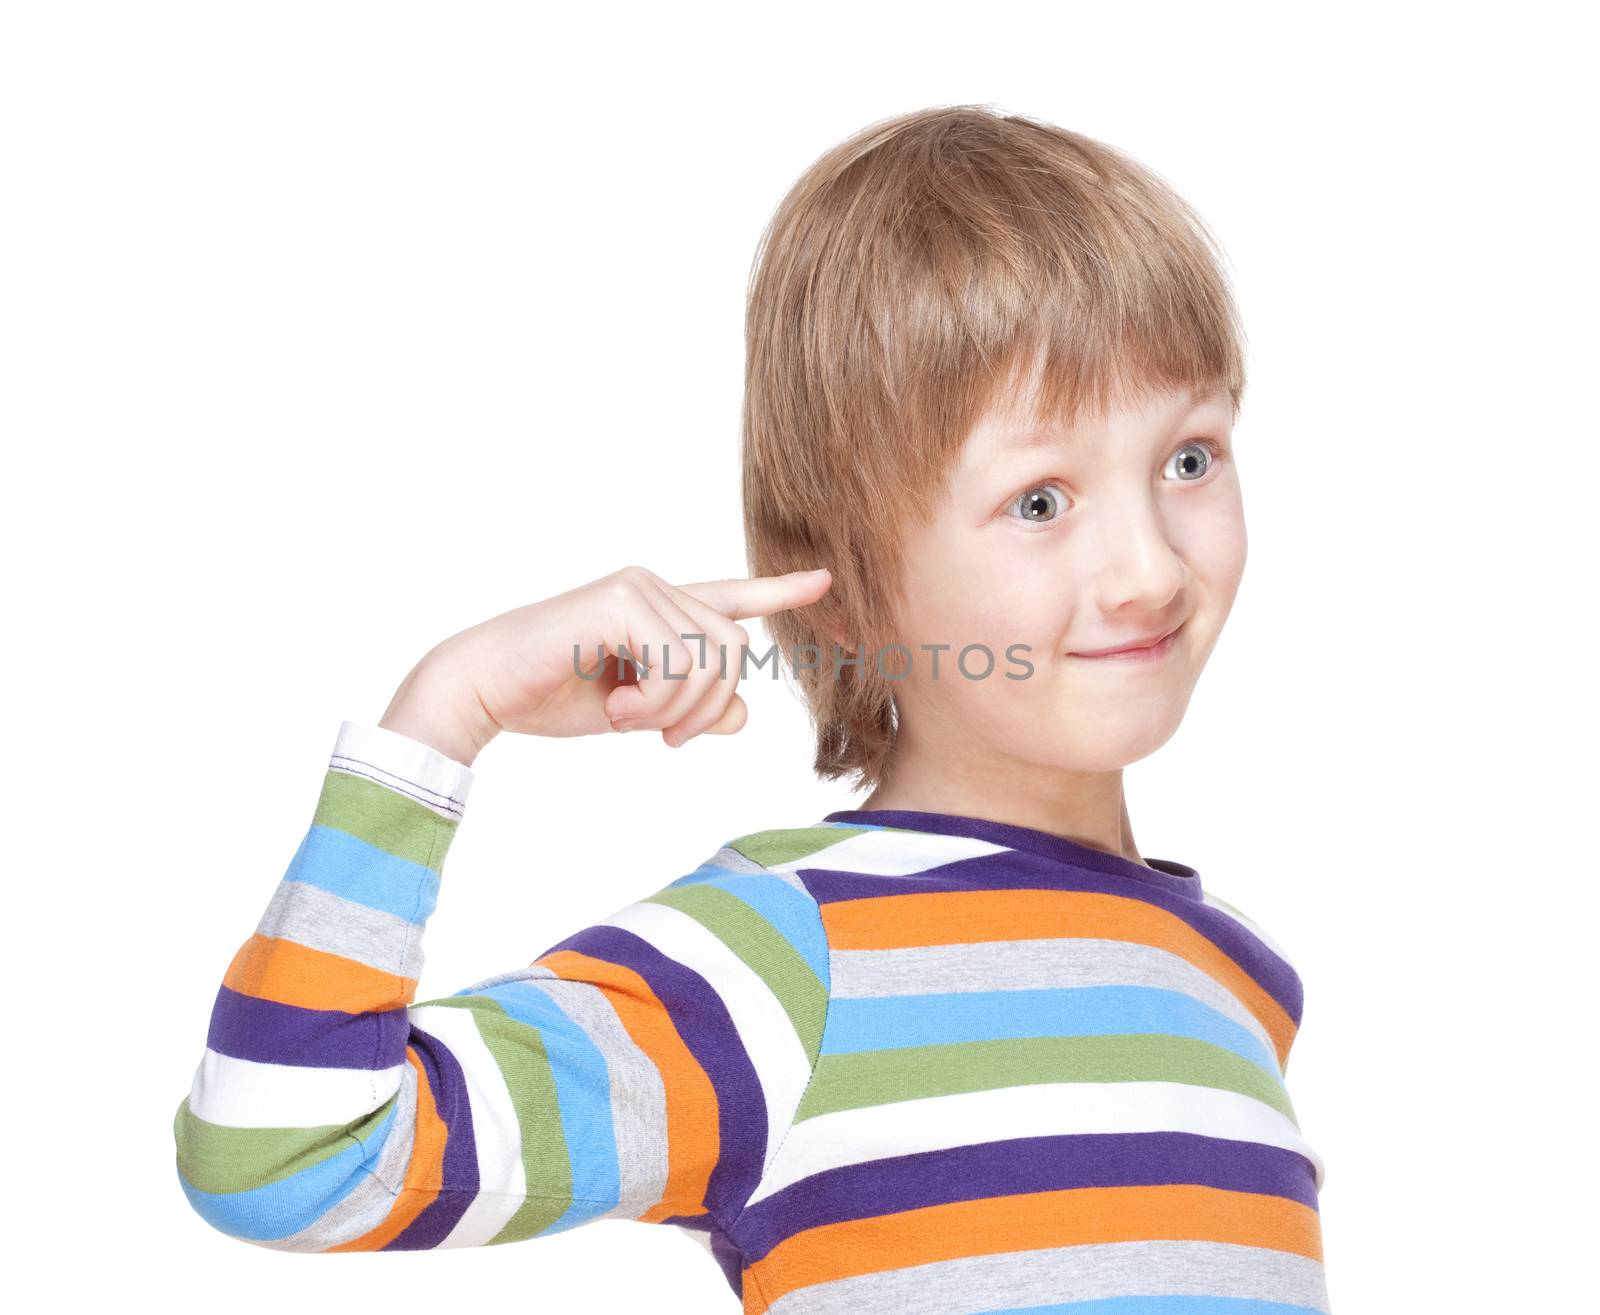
1164	872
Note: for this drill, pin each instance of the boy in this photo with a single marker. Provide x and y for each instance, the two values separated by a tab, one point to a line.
959	1049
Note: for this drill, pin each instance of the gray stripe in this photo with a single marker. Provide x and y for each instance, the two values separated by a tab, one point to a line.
793	882
1031	965
1077	1273
730	858
638	1096
321	920
734	861
370	1203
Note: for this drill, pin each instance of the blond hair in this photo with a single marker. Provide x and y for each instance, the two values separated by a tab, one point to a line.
911	273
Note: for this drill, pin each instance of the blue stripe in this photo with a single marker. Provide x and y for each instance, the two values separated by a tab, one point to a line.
347	866
792	912
887	1022
583	1097
281	1209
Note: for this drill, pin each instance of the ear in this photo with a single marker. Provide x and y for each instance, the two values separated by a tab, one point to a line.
828	630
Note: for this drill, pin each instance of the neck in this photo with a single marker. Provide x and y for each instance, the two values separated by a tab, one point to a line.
1087	807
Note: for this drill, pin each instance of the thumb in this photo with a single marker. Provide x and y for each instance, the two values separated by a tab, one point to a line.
761	595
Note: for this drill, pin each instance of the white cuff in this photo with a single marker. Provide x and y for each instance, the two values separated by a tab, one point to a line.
403	764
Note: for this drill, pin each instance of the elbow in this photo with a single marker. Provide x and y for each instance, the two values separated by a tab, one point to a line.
287	1189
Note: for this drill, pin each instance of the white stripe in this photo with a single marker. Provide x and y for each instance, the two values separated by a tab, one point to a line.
779	1057
496	1132
241	1093
1040	1109
891	853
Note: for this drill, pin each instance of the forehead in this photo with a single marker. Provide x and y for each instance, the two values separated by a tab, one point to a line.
1013	423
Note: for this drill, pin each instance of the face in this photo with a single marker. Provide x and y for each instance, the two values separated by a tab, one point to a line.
1072	541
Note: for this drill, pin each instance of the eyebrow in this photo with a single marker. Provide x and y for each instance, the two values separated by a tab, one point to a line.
1040	436
1037	435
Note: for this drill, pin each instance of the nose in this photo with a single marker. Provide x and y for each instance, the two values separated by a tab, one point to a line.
1139	571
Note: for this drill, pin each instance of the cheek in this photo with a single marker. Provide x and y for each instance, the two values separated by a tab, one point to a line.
1030	612
992	590
955	593
1212	540
962	614
955	613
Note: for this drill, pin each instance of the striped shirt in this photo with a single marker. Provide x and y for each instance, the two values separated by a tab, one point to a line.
889	1061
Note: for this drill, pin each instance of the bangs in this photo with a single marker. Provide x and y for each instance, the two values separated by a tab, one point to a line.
1035	266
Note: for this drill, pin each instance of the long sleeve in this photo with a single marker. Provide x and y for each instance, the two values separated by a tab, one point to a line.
643	1068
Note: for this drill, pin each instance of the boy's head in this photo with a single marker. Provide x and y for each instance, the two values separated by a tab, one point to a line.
932	293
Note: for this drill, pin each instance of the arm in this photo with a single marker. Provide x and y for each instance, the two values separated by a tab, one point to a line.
643	1068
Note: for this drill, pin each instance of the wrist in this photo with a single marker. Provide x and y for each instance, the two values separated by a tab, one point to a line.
437	707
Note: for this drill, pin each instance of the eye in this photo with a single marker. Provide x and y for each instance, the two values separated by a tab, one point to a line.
1195	458
1038	505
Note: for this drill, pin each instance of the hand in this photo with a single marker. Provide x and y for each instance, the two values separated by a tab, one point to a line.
517	672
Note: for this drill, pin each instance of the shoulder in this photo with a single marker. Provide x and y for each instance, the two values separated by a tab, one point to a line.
746	894
1255	929
784	849
734	928
853	848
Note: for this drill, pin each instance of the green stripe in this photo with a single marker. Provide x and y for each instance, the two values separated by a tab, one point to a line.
784	846
220	1159
519	1052
882	1077
394	822
763	948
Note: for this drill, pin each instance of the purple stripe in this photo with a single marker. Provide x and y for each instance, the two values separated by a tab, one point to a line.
1025	1164
1016	870
268	1032
704	1024
731	1260
460	1174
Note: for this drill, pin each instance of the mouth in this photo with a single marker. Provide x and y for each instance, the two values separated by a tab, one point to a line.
1149	650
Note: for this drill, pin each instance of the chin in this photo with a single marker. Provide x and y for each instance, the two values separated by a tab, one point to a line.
1109	748
1104	758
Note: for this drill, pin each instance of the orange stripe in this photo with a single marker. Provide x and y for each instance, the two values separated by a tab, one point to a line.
1031	1221
289	973
886	922
693	1120
424	1175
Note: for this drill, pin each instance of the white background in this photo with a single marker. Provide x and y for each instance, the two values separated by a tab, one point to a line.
330	329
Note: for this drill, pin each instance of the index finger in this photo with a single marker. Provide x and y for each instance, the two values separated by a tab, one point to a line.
761	595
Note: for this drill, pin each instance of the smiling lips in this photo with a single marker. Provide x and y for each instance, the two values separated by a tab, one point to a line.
1141	650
